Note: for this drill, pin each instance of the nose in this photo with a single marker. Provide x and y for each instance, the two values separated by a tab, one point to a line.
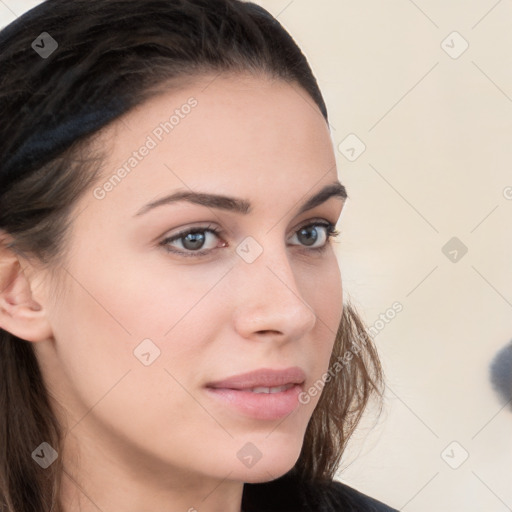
269	302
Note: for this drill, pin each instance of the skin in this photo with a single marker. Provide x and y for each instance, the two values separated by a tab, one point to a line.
148	438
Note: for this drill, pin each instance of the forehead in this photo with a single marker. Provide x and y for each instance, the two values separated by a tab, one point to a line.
219	134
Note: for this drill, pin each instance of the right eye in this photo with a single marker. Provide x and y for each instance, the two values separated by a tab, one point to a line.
191	240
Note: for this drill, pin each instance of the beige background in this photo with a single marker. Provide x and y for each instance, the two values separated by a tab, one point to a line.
436	122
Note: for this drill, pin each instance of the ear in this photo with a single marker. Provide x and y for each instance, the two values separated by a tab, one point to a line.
20	313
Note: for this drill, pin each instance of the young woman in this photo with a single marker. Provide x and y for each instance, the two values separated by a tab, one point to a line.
173	333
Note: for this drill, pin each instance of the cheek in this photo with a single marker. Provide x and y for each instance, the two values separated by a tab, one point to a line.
325	296
106	316
147	296
111	306
322	290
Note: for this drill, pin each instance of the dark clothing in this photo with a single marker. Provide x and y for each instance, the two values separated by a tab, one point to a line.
288	494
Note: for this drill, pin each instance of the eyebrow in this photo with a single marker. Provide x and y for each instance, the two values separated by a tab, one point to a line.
241	206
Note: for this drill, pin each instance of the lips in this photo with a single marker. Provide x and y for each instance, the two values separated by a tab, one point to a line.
263	380
264	394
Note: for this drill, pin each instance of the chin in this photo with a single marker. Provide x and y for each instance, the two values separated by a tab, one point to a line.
271	466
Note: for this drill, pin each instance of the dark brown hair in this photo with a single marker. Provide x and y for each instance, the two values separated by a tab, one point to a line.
113	55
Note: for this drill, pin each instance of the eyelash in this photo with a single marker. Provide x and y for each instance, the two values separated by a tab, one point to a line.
331	233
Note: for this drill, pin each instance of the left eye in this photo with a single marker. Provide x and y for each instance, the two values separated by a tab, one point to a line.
194	238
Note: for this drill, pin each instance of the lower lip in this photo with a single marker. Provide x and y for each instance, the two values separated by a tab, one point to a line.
261	406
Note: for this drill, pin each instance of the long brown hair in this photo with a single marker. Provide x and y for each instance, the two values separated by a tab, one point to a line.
111	56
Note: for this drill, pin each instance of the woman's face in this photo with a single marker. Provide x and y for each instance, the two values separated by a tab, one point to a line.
145	323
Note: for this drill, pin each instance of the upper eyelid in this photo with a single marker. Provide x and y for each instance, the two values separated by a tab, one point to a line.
211	227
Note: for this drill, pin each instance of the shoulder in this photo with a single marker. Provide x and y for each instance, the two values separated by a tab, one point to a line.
344	497
288	494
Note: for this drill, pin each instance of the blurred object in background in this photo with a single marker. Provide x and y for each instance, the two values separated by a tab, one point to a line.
501	374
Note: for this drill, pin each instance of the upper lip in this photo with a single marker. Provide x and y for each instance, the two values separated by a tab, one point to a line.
263	377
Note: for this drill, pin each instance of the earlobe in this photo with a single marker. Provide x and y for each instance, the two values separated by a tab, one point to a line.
20	313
